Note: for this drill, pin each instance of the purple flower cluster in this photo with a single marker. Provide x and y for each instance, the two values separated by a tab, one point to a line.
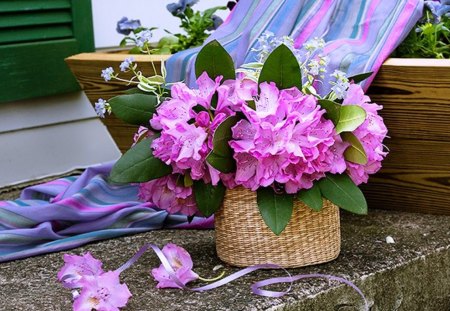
285	140
282	138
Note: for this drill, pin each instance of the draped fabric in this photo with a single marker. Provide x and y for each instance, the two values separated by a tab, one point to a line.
73	211
69	212
359	34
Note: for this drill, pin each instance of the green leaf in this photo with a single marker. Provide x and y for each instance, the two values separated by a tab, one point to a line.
360	77
209	198
343	192
350	117
355	152
134	108
139	165
216	61
312	197
135	90
332	108
282	68
275	209
221	157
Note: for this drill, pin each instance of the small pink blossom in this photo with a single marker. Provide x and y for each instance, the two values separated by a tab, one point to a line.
78	267
181	262
103	293
168	195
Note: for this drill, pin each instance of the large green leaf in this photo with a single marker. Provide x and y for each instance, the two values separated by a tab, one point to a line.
209	198
355	152
135	108
216	61
360	77
350	117
332	108
343	192
221	157
312	197
139	165
282	68
275	209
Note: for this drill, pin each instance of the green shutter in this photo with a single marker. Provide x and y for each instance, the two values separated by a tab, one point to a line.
35	37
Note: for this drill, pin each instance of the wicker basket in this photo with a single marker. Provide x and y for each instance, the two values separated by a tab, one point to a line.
243	239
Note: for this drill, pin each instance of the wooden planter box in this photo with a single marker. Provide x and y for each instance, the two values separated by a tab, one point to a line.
415	176
87	68
415	94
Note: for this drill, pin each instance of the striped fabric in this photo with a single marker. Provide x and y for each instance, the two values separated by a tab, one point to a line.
360	34
73	211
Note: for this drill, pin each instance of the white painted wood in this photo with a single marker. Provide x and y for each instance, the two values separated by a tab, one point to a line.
151	13
44	111
54	149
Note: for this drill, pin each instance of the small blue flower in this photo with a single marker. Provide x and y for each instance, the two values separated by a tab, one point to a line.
143	37
107	73
217	21
125	65
101	107
438	9
179	8
125	26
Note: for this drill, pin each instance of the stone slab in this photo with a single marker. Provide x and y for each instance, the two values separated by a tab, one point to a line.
411	275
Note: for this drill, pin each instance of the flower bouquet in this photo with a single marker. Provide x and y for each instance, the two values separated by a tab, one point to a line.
258	147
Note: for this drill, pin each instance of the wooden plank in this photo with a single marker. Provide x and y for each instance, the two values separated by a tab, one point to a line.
39	73
415	176
32	5
43	18
35	33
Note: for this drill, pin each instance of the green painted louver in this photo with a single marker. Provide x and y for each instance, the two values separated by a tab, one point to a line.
35	37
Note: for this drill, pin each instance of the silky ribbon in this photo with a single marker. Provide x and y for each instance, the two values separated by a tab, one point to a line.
255	287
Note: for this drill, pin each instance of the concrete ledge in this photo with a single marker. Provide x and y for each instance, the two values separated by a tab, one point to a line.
412	274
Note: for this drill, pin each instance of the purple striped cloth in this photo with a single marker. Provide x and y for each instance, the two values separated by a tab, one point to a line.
359	34
69	212
73	211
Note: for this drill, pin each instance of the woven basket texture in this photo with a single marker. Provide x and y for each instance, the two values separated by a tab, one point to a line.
243	239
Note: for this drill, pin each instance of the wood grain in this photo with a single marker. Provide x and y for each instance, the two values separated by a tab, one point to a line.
415	94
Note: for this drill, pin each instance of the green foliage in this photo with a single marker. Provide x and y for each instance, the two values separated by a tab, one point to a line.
282	67
350	117
221	157
343	192
135	108
355	152
139	165
216	61
276	209
209	198
312	197
428	40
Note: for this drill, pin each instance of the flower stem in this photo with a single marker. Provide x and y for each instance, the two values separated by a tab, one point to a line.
214	279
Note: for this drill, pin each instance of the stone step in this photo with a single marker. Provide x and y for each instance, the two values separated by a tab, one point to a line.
413	274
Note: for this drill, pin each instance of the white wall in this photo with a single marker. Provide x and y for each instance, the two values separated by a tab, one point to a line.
151	13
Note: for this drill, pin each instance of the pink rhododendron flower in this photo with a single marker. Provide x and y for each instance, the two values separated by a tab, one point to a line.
168	195
285	140
78	267
371	133
181	262
102	293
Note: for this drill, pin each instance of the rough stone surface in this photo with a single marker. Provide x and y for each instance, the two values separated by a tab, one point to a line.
412	274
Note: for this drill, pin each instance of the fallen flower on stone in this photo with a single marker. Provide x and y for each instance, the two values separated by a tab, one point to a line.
181	262
78	267
102	292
